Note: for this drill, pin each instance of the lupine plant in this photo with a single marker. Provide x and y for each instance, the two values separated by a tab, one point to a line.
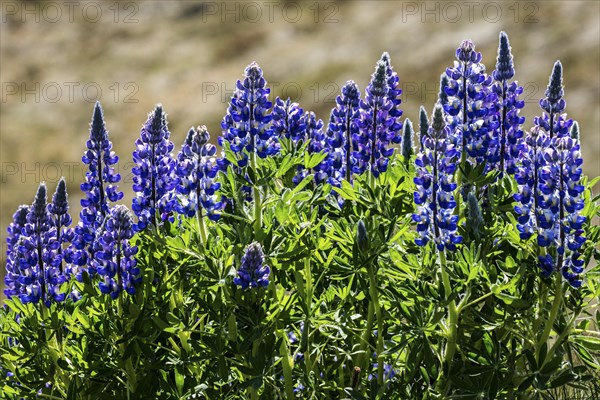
379	126
306	259
154	173
343	129
100	190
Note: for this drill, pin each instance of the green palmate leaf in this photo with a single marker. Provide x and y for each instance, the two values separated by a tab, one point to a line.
312	160
303	183
285	165
346	191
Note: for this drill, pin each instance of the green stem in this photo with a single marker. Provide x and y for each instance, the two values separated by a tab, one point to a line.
452	326
257	200
366	337
553	312
568	330
477	300
341	374
372	180
541	305
373	288
287	367
308	300
201	227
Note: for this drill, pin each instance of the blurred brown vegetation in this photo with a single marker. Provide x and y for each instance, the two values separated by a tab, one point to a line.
188	55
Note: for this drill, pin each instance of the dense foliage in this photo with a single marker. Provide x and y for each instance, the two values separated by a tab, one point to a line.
309	260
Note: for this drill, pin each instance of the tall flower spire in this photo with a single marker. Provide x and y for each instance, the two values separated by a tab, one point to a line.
434	197
553	121
510	134
470	105
288	120
38	255
318	143
12	285
395	95
246	126
153	174
378	125
196	171
561	226
343	128
100	188
114	256
61	220
550	192
528	180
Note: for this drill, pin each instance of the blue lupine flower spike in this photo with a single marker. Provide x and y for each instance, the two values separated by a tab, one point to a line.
342	130
288	121
435	167
12	284
61	220
38	256
100	188
196	171
510	134
317	144
115	257
246	126
252	273
471	109
379	126
553	120
153	175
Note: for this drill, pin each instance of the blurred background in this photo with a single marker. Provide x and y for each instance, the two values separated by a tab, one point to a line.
57	58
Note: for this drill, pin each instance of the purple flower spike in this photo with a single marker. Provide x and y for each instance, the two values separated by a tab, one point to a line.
509	133
114	256
252	273
100	188
553	121
39	256
436	164
288	120
246	126
14	232
379	126
196	172
153	175
341	131
550	194
471	108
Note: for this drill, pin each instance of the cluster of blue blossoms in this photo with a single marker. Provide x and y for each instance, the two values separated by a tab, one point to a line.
35	253
436	164
358	138
483	110
44	252
483	126
252	272
196	171
550	194
475	123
